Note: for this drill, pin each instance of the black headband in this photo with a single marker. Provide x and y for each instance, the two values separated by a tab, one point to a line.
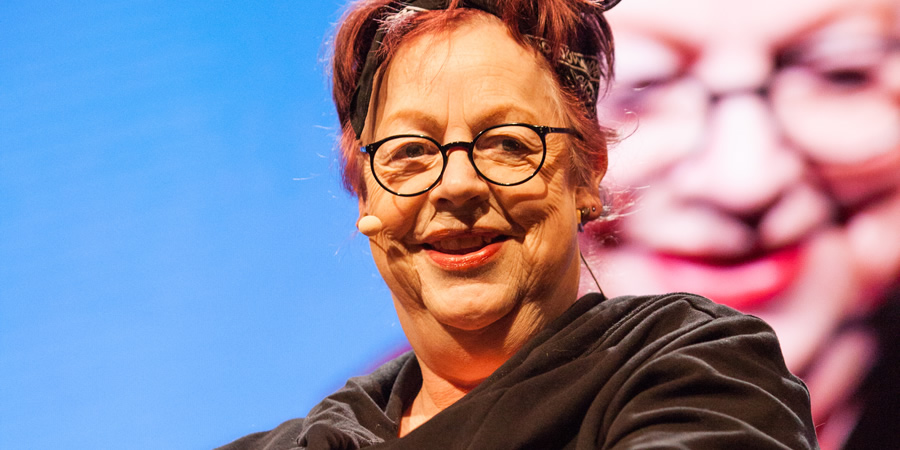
577	66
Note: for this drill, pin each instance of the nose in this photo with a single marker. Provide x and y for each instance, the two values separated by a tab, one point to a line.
460	185
743	166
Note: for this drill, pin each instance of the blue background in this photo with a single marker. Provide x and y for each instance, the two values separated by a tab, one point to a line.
178	262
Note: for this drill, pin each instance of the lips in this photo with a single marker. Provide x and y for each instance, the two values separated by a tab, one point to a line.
746	285
461	245
464	251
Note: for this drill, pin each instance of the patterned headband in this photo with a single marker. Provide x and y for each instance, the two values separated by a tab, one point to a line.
577	66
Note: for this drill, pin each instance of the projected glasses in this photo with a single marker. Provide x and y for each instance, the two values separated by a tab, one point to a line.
506	155
836	99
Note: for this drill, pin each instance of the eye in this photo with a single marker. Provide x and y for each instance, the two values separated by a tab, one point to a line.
839	63
412	150
647	68
512	145
639	95
509	141
847	78
402	151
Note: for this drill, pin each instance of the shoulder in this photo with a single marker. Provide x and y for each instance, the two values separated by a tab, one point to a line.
694	306
696	370
661	328
633	330
679	313
665	318
361	413
283	437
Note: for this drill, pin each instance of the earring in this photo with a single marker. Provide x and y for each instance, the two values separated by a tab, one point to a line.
582	213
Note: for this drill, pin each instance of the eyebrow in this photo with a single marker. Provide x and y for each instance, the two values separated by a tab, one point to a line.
506	113
417	121
848	48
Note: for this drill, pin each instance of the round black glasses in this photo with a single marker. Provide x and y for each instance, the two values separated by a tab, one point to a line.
506	155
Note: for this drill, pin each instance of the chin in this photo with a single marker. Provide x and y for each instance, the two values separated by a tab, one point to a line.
469	308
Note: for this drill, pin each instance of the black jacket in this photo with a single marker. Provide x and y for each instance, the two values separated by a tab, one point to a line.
671	371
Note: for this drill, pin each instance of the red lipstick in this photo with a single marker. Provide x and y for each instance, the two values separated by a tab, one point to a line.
464	261
748	285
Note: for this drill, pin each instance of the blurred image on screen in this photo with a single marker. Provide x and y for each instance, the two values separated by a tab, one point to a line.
759	165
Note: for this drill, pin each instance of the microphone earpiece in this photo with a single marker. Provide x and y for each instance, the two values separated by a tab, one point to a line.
369	225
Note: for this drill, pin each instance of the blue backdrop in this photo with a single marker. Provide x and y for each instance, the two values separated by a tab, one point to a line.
178	263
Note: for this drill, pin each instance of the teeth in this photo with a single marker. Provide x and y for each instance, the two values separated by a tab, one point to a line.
461	243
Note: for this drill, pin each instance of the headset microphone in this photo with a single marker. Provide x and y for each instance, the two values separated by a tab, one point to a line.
369	225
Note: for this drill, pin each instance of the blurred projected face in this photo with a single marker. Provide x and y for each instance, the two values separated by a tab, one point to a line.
762	144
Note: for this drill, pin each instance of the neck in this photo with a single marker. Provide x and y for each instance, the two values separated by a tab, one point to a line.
453	361
436	394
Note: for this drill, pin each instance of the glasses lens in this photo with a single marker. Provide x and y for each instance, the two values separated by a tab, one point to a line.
408	165
833	100
508	154
838	104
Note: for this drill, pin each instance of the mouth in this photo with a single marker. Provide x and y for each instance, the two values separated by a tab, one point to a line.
747	284
463	244
464	251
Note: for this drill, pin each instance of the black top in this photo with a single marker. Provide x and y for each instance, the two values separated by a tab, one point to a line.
671	371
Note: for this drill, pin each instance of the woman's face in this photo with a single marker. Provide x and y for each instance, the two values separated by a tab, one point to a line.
470	256
764	152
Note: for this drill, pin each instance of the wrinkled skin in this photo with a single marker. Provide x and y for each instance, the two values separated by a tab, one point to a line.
466	306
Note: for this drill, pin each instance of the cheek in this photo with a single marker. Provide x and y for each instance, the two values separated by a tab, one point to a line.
876	259
546	213
397	214
854	183
549	249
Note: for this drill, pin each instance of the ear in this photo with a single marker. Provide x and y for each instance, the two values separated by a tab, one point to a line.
588	198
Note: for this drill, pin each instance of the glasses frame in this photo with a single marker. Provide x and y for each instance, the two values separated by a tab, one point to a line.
541	130
783	62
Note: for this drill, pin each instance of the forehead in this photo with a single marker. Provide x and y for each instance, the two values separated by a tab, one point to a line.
701	23
475	71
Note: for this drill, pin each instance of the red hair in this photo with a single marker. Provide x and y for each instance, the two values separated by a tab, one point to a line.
556	22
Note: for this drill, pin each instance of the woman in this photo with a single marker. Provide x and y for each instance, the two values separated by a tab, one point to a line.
780	134
481	156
